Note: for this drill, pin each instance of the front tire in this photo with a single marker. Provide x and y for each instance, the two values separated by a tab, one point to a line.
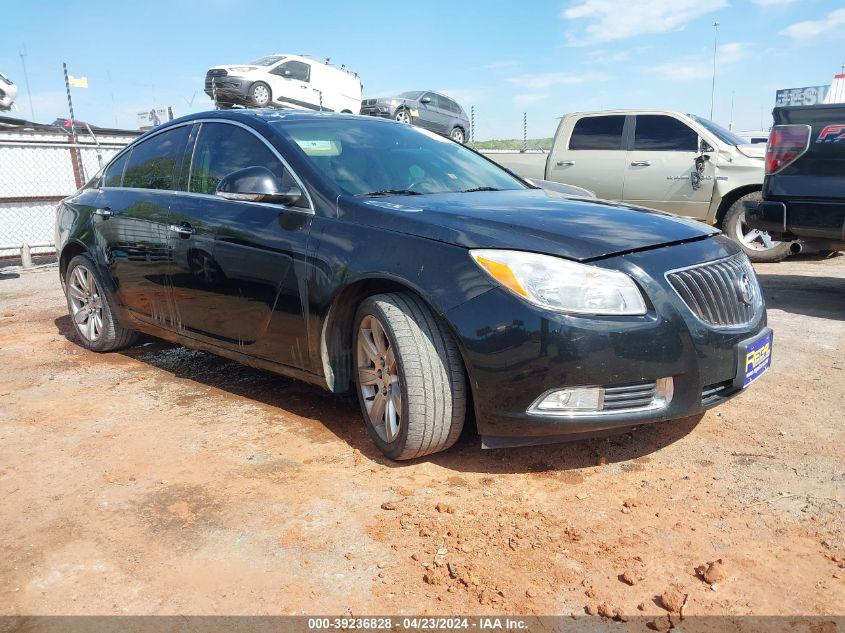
410	377
260	94
91	308
403	115
457	135
758	245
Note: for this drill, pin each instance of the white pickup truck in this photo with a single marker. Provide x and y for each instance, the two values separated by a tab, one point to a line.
674	162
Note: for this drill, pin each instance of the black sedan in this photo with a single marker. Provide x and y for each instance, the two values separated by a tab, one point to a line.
427	109
359	253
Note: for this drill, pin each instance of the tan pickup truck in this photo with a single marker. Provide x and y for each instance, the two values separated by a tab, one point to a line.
674	162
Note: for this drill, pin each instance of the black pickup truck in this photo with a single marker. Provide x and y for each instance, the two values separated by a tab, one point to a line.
804	187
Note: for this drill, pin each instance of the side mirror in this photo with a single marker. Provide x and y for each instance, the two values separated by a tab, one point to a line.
704	146
425	100
287	73
257	184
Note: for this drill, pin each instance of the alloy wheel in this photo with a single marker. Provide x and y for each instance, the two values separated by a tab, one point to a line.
753	239
457	135
403	117
86	303
379	379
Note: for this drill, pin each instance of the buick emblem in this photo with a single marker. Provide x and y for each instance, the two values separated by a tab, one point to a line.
745	289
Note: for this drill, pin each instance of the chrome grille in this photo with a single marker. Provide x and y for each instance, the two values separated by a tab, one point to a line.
713	291
712	394
629	397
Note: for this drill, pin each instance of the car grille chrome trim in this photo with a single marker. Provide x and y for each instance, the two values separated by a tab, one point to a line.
711	394
713	291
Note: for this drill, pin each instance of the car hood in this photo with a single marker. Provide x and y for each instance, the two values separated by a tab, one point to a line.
753	150
529	220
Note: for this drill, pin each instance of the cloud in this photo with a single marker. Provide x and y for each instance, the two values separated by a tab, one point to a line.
693	67
507	63
809	29
613	20
772	3
543	81
529	98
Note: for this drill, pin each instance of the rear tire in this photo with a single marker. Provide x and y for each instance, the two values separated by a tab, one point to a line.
457	135
411	383
758	245
91	308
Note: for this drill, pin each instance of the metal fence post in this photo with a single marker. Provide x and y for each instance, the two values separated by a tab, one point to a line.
524	131
472	124
26	256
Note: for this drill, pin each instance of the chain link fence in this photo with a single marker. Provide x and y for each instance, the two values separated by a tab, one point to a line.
37	170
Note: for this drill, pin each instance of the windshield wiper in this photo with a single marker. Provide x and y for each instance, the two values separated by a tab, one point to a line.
480	189
390	192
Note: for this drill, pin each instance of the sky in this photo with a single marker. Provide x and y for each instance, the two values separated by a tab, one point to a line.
536	57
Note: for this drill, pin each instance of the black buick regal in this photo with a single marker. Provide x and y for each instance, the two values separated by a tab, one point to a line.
360	253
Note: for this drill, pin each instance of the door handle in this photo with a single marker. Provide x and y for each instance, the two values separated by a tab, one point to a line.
565	163
105	212
182	230
640	163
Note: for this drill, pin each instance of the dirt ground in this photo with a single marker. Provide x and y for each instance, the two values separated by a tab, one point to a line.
161	480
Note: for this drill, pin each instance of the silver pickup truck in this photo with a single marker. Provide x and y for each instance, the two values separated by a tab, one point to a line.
675	162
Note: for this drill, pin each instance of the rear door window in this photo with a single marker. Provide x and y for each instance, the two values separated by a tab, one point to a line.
114	173
657	132
154	163
598	132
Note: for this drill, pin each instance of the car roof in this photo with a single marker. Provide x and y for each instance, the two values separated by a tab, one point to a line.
249	115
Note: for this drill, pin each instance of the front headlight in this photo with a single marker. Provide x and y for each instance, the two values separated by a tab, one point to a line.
562	285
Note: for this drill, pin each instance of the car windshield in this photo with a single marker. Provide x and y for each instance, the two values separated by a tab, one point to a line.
413	94
267	61
726	136
372	157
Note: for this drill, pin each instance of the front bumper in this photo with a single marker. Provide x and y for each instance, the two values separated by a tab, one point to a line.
515	352
386	112
235	89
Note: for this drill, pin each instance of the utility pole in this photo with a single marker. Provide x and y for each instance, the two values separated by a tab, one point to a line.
22	53
713	86
75	150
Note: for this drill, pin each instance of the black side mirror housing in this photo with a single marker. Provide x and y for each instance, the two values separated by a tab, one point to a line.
704	146
257	184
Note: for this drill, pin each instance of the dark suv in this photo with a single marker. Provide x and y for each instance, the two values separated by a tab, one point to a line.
431	110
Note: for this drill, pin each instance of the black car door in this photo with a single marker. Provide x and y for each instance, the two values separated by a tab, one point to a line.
131	228
235	280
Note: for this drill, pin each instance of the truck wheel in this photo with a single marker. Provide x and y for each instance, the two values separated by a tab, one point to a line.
410	376
260	94
758	245
457	135
402	115
91	308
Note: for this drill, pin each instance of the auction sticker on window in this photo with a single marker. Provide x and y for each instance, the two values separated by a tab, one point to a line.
755	358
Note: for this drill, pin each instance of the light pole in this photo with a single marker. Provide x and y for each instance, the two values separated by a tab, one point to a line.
713	86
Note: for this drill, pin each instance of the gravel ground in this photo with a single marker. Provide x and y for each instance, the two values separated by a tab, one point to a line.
161	480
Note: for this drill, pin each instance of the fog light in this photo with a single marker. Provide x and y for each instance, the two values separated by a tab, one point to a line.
664	390
575	399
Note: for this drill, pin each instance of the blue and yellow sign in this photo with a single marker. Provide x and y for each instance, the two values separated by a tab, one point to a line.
758	357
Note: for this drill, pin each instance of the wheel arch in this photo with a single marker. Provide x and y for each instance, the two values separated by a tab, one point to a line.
732	196
336	347
68	252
